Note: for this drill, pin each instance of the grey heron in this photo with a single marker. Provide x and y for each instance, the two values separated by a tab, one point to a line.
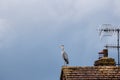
64	55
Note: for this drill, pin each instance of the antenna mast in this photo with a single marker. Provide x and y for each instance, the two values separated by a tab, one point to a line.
107	28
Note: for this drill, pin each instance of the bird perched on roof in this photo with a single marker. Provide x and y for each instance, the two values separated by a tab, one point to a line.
64	55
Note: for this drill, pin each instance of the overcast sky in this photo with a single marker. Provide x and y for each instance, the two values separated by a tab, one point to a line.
31	32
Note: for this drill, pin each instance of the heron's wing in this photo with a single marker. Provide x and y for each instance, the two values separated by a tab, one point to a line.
65	57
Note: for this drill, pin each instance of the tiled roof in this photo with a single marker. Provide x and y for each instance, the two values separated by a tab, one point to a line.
90	73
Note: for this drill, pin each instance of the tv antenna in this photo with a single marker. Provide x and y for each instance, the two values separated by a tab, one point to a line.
110	30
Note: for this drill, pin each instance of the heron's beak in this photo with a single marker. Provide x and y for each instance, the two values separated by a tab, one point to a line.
60	47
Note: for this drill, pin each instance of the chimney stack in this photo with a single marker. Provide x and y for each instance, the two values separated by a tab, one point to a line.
104	60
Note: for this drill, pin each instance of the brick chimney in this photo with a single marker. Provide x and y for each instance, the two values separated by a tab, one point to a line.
104	60
103	53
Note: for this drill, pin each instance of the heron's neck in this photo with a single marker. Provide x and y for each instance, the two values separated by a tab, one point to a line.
63	49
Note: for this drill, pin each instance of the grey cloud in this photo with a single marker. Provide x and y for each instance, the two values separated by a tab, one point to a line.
33	30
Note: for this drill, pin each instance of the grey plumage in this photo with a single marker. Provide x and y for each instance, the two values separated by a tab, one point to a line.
64	55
